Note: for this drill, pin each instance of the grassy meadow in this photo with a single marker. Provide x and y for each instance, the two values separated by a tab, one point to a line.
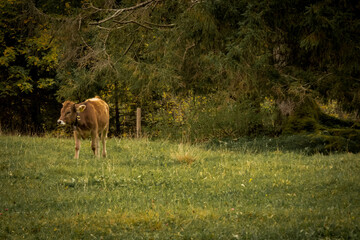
162	190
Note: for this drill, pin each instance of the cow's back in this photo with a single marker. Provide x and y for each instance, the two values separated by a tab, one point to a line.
101	111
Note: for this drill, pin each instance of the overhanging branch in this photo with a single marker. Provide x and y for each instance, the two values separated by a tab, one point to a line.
145	24
118	12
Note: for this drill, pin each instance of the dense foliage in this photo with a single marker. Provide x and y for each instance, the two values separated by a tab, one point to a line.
199	69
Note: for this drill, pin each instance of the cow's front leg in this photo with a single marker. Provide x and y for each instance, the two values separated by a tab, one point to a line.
95	143
77	144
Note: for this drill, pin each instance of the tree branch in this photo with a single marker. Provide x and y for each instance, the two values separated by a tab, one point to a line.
118	12
132	21
161	25
128	48
186	50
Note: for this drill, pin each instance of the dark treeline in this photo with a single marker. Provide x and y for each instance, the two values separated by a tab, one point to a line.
199	69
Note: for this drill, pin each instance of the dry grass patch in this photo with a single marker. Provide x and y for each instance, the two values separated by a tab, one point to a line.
186	154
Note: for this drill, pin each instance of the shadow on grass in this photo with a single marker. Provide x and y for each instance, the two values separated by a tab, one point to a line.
306	144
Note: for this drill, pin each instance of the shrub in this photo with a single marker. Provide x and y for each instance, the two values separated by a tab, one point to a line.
197	118
324	133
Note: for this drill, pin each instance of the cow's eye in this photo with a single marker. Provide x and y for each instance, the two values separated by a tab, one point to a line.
67	113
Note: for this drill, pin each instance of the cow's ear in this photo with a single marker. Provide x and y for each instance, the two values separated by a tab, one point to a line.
81	108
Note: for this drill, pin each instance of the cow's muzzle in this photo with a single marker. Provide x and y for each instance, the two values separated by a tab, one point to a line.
60	122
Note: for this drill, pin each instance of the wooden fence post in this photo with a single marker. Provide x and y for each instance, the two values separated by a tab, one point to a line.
138	122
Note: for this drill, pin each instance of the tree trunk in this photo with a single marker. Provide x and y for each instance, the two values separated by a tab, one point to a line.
36	119
117	112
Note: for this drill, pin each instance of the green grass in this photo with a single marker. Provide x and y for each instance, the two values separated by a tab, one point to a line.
162	190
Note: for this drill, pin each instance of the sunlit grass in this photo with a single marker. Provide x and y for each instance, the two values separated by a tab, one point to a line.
163	190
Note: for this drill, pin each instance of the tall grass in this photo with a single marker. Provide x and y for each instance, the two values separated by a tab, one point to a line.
164	190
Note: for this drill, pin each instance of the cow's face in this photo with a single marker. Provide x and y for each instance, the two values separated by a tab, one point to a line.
68	113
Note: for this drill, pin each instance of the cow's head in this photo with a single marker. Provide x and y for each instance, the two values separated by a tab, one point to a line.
69	112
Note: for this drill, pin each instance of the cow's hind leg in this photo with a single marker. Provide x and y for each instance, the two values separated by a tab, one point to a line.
95	143
103	140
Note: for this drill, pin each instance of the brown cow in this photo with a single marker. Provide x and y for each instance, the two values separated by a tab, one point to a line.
89	117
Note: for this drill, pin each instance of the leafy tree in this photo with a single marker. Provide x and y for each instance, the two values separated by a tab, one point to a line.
110	49
28	62
330	40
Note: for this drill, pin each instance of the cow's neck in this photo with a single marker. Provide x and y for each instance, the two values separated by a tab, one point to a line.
77	120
